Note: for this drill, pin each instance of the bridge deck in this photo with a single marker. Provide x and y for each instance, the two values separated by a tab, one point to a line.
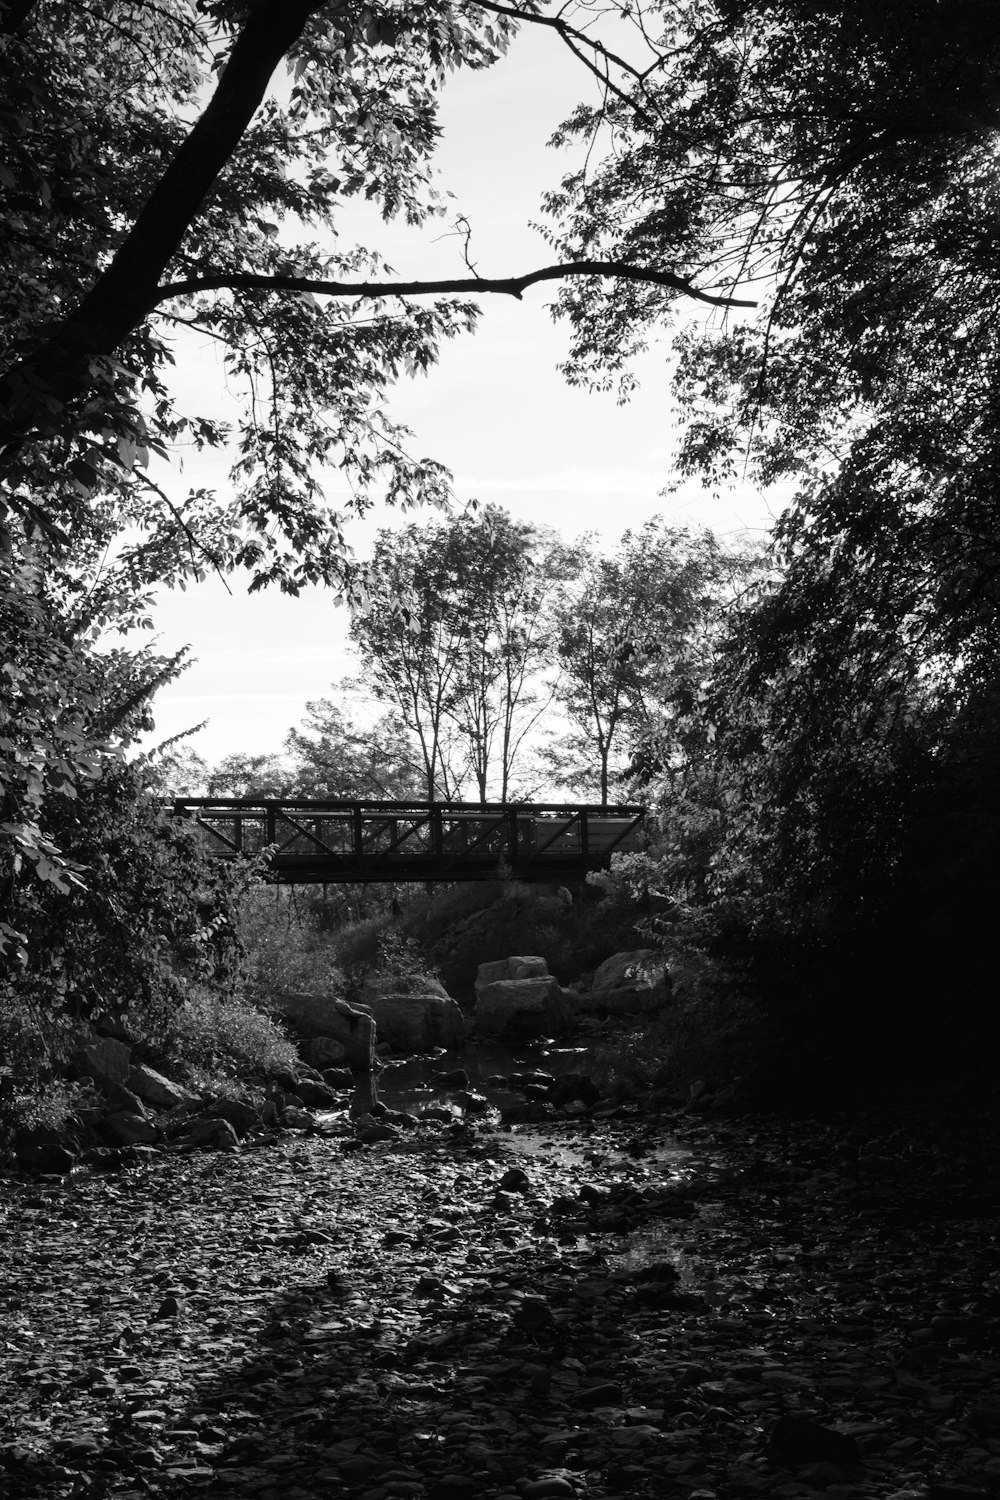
314	843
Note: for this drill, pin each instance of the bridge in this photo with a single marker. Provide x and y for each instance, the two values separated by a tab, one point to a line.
313	843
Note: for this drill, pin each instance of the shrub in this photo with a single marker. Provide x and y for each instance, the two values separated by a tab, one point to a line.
709	1033
215	1040
378	949
462	932
287	944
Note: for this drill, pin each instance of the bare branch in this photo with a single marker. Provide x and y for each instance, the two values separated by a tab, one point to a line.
511	286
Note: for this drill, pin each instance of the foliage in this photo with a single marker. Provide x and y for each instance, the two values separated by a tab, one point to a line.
839	162
184	167
217	1040
338	756
151	913
460	927
377	948
287	944
710	1039
635	637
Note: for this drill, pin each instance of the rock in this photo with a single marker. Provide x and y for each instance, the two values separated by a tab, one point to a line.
514	1008
663	1271
110	1158
626	984
329	1016
547	1489
106	1060
214	1134
416	1016
533	1315
799	1440
522	1080
436	1114
338	1078
512	968
316	1095
118	1097
241	1116
515	1180
152	1088
125	1128
454	1487
523	1114
606	1394
571	1087
294	1117
400	1117
370	1132
322	1052
44	1151
452	1078
472	1103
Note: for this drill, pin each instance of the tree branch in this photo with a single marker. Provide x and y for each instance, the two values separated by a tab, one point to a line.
123	293
511	286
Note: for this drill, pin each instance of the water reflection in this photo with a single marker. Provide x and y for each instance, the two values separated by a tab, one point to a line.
410	1082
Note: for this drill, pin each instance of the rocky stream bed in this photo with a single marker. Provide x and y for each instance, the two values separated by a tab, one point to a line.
615	1306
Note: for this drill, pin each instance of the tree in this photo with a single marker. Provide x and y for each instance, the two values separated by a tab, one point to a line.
634	639
505	577
453	634
336	757
196	208
839	159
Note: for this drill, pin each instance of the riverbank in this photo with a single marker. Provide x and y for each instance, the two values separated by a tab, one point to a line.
629	1310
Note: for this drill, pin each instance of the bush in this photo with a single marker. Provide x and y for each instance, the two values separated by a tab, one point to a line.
287	944
710	1033
460	933
214	1041
378	949
36	1048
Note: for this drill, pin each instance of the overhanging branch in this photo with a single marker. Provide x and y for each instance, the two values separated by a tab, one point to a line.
511	286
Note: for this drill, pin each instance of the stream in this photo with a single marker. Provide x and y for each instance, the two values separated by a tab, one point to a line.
415	1083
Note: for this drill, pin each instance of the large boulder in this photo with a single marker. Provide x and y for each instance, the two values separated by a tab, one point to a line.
152	1088
627	968
123	1128
243	1117
517	967
415	1015
517	997
43	1149
322	1052
104	1059
329	1016
214	1134
628	984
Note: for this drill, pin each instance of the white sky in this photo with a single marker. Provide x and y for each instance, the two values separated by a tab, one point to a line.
495	411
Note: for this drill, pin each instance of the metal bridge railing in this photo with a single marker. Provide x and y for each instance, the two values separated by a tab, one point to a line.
311	840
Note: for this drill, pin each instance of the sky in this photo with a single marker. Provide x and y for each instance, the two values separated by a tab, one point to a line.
495	410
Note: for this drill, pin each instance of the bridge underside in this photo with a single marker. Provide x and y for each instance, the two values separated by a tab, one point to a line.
329	843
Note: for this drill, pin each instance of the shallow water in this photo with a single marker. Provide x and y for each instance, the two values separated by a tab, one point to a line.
412	1083
408	1083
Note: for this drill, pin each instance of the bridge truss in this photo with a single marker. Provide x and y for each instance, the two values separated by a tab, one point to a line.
312	843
